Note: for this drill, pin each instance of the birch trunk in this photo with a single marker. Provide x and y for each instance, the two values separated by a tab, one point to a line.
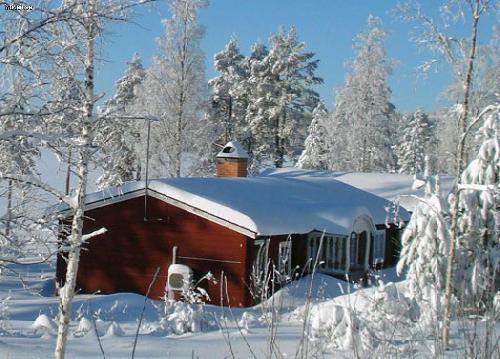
460	159
67	292
180	110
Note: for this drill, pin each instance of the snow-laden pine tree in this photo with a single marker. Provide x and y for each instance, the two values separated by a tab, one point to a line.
478	252
314	155
363	110
229	100
281	98
174	90
416	144
425	244
119	138
258	87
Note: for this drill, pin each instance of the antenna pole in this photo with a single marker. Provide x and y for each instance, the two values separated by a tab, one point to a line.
147	170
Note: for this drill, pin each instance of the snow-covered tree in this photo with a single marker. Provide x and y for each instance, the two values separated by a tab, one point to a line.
363	110
417	138
229	100
425	242
174	90
120	135
281	97
479	241
314	155
258	85
17	156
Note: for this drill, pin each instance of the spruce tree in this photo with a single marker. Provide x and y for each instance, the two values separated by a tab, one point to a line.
479	241
120	136
416	143
314	155
228	100
281	98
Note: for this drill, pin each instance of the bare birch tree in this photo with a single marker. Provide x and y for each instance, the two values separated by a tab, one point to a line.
174	89
460	54
62	41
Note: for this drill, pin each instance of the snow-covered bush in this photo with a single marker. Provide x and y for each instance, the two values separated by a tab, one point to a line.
182	317
425	242
248	320
84	327
188	314
44	325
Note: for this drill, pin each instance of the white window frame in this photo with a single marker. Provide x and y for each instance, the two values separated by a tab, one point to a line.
330	252
378	252
285	264
262	258
353	249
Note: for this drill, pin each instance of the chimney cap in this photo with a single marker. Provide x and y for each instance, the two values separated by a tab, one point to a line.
233	149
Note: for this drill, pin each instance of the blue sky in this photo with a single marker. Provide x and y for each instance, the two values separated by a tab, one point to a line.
326	26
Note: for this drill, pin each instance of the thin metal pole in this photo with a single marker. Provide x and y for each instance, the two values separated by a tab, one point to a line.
68	173
9	209
147	170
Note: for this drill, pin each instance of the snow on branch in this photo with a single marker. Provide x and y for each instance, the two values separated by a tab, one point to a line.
86	237
476	187
43	137
7	135
30	180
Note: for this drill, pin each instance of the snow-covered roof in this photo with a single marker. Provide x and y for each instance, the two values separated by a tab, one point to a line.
233	149
262	205
390	186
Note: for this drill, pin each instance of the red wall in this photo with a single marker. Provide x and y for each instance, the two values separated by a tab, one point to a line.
125	258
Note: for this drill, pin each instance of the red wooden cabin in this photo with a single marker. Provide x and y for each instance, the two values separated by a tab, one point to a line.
229	226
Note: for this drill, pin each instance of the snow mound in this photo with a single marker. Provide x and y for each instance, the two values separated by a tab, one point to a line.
114	330
102	327
321	287
365	320
248	320
43	322
84	327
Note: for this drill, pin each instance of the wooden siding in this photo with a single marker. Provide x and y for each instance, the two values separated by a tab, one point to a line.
125	258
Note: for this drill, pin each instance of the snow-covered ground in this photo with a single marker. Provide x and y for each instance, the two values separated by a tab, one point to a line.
226	333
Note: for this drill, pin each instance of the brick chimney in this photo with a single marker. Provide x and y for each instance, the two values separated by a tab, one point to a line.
232	161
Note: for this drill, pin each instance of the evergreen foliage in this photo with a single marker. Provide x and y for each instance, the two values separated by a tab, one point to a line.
478	254
314	155
228	98
120	136
416	143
